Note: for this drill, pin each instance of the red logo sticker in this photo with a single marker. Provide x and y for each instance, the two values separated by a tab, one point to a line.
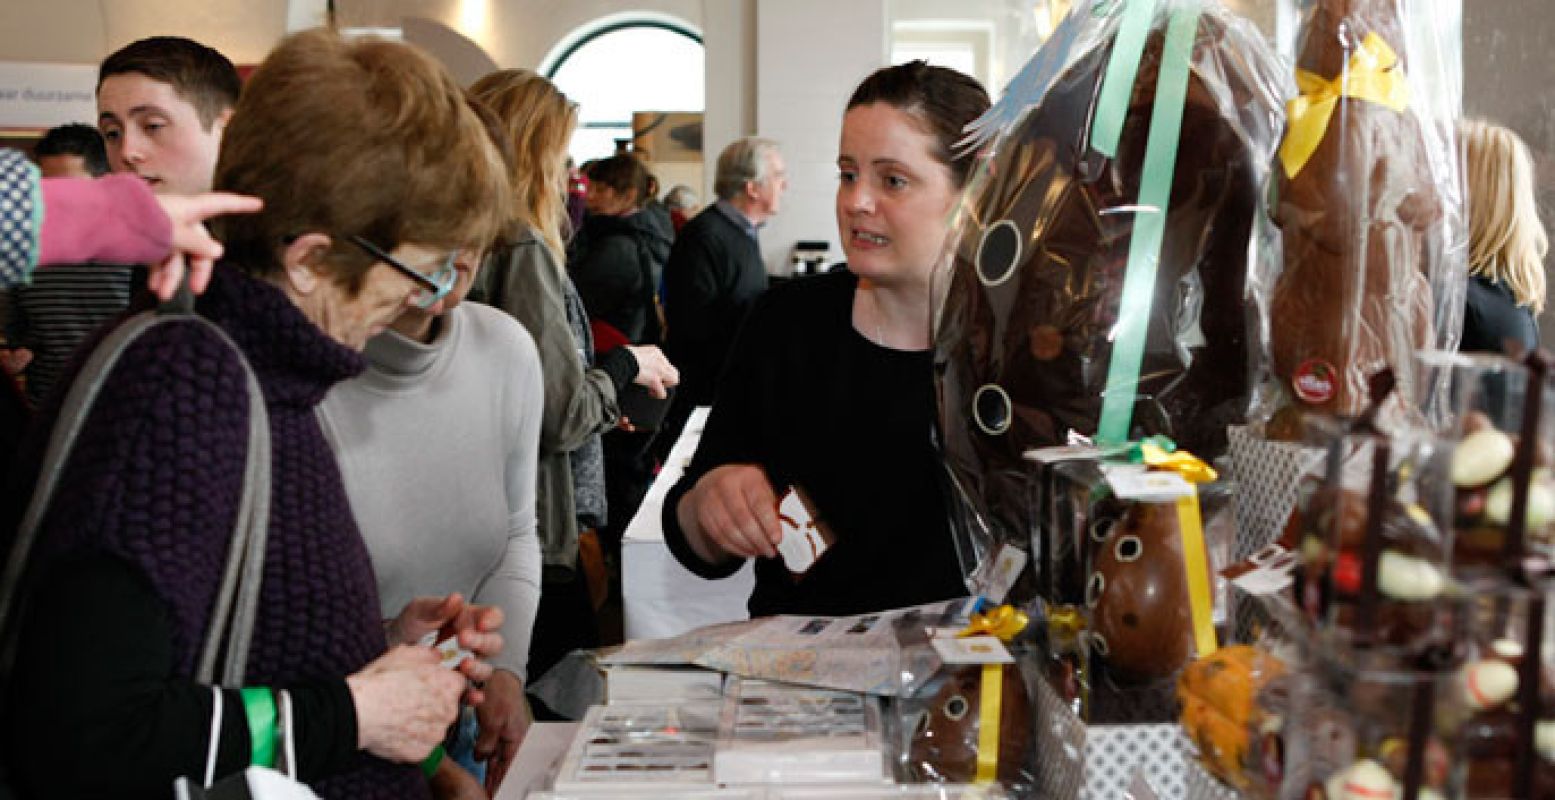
1314	381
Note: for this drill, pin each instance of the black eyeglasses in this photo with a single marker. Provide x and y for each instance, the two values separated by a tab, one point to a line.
434	287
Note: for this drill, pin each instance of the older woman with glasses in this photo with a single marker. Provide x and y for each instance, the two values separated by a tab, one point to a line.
358	225
448	502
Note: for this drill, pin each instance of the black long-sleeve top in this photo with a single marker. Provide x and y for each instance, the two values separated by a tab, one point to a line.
816	404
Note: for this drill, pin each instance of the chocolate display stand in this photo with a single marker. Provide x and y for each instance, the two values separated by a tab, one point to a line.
1527	575
1424	661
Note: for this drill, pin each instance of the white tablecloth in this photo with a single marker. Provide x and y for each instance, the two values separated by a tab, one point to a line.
661	597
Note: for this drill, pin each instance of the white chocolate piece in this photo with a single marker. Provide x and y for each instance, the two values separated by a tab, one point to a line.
1507	648
1481	457
1544	739
1364	780
1408	578
1541	502
1487	684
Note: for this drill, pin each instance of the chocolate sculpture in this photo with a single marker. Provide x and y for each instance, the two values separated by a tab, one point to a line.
1024	340
945	745
1356	201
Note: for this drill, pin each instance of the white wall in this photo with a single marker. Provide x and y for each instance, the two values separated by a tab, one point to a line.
84	31
729	34
778	68
805	71
461	55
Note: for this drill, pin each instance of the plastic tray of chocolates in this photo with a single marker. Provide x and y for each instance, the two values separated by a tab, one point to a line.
1503	460
780	733
668	747
1371	529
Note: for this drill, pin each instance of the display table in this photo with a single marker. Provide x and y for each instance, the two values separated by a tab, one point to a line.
542	748
661	598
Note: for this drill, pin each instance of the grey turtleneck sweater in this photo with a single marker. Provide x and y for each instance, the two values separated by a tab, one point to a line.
438	444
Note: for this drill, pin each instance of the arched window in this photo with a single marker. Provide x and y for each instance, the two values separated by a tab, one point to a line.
626	66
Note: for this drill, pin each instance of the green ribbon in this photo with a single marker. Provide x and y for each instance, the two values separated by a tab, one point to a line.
434	760
263	734
1122	69
1155	194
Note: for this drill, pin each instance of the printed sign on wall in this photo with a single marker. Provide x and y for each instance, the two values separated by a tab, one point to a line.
37	95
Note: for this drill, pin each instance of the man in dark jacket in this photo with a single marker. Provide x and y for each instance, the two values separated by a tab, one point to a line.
715	272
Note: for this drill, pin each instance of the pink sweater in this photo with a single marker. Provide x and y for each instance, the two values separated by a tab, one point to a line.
115	219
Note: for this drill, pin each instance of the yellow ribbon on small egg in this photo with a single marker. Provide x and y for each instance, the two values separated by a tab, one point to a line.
1005	622
1195	554
988	724
1372	74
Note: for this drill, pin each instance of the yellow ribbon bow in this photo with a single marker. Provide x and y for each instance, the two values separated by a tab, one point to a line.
1189	466
1372	74
1005	622
1065	623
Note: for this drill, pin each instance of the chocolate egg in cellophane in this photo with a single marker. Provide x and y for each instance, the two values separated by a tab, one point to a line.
1097	282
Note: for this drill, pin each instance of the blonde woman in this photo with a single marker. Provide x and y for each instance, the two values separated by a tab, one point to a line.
526	278
1507	242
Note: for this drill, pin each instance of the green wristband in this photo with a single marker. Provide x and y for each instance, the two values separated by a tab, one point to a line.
433	761
263	735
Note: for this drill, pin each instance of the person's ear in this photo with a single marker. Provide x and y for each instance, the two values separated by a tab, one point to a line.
302	262
218	125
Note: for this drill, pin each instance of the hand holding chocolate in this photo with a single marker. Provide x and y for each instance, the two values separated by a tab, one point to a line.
1361	216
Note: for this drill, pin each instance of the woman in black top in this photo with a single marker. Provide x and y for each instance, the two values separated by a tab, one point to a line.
1507	242
829	386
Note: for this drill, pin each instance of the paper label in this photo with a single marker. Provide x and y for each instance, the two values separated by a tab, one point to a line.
1053	455
804	539
972	650
448	650
1266	572
1137	482
996	575
1315	381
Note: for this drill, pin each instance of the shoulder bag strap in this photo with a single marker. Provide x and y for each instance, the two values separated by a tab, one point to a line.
232	617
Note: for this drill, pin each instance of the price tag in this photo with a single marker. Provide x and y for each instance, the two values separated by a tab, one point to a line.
1137	482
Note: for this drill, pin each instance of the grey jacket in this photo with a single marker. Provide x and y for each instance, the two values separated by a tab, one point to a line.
525	280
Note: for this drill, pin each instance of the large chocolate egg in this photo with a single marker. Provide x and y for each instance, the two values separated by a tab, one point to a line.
945	744
1025	336
1138	594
